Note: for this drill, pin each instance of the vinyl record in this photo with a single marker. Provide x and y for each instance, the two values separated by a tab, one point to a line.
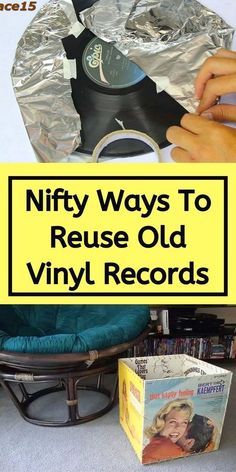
112	93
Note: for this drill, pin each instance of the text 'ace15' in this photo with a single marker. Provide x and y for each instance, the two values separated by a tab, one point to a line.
16	6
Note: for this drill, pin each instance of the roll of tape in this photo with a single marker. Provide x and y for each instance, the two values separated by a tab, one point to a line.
125	134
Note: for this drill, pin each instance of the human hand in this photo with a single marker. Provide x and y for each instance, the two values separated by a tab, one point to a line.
201	140
217	77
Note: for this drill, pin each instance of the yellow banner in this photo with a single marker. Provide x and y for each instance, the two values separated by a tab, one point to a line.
153	234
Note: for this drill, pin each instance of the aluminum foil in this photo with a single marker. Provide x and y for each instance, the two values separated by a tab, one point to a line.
42	92
168	39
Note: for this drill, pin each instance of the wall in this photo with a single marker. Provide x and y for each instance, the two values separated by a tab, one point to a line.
227	312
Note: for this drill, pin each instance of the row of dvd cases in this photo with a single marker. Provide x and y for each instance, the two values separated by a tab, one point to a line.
210	347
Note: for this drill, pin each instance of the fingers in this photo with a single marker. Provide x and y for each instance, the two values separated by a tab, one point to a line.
226	53
215	88
185	137
181	137
218	65
180	155
194	123
221	113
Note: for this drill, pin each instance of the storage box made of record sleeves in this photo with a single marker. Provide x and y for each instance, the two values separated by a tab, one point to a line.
172	406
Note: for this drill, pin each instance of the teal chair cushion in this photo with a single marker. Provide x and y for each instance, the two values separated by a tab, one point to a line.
73	328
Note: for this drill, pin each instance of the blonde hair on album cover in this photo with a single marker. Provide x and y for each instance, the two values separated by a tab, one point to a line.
159	419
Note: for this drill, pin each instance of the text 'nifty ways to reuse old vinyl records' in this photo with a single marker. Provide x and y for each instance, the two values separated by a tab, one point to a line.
117	233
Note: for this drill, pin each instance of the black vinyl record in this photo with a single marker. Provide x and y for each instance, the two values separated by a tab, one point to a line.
112	93
80	5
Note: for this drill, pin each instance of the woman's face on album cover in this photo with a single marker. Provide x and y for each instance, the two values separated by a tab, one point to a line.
176	423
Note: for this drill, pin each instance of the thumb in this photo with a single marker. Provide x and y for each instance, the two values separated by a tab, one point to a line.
221	113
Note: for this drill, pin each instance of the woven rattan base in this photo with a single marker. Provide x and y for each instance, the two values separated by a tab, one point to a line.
70	373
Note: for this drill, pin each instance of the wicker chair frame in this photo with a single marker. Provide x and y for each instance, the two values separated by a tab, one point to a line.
67	371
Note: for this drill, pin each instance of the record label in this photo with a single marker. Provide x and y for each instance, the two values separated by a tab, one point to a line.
111	93
107	67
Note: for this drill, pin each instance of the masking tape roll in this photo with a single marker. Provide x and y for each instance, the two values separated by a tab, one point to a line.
125	134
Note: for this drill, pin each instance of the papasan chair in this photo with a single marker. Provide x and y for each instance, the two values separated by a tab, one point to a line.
70	346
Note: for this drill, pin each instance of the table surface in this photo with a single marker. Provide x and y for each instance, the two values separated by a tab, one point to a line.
15	145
